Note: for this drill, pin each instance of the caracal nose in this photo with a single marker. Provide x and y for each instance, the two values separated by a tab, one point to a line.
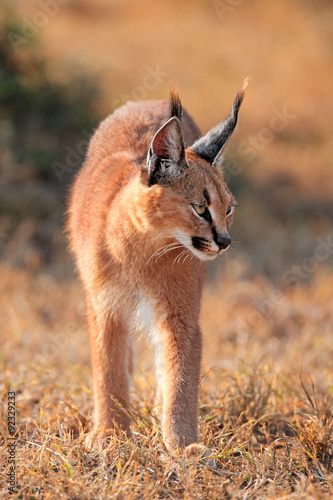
223	242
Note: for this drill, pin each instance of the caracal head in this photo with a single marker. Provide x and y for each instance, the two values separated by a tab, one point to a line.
187	187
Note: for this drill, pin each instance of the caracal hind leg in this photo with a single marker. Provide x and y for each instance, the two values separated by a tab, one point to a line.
110	360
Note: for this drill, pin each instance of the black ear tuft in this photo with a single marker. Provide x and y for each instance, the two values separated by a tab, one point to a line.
210	146
176	108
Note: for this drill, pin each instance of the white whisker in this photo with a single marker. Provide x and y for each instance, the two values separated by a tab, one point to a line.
168	250
161	249
186	256
177	259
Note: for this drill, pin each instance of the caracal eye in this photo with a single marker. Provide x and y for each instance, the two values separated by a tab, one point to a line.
200	209
230	210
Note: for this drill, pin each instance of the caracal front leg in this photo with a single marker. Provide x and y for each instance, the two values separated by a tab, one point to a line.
180	357
110	359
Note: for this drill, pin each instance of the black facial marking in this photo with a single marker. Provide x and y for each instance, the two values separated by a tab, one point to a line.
199	243
206	195
206	215
214	234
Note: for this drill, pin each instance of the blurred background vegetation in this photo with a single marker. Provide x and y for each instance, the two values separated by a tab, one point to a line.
66	65
39	119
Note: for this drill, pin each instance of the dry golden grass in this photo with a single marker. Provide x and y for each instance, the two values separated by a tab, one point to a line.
265	400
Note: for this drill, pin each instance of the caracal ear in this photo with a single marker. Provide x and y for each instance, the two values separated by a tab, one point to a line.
210	146
166	156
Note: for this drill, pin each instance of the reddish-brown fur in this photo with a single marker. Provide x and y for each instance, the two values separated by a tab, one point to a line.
119	227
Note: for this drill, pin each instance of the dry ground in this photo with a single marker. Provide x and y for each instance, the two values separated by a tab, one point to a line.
265	400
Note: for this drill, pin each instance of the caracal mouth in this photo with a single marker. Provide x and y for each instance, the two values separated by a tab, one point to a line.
207	255
204	255
188	241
